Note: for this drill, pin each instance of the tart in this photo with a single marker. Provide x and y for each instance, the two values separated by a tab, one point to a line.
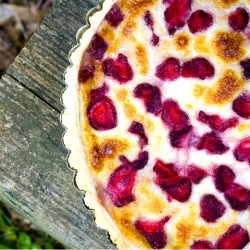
157	110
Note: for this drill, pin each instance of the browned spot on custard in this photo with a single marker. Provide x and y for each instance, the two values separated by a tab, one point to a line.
142	59
182	41
200	44
130	111
164	47
184	231
229	46
108	149
124	37
84	94
225	89
187	229
124	219
121	94
243	127
132	114
225	4
136	7
147	201
198	90
107	32
127	30
99	75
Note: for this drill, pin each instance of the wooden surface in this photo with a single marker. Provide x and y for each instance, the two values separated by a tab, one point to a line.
34	177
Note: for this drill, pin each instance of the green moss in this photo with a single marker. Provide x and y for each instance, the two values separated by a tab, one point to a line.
11	237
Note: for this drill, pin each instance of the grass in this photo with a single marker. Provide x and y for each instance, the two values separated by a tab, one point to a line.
14	237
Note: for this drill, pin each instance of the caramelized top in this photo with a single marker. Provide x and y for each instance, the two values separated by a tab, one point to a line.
229	46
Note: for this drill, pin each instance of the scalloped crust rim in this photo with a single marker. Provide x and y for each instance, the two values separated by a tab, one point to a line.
70	119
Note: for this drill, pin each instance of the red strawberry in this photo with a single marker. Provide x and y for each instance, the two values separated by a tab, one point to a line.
151	96
137	128
224	178
238	20
242	150
148	19
164	170
173	116
101	111
97	47
176	14
212	143
120	185
178	187
181	138
153	231
211	208
141	161
198	67
114	16
86	72
236	237
202	244
168	69
98	93
246	68
121	181
119	68
195	174
217	123
155	39
102	114
238	197
199	21
241	105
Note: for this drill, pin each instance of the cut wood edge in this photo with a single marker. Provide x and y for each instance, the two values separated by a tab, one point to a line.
70	119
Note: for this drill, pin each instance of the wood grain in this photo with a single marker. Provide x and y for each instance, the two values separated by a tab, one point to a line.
41	64
35	179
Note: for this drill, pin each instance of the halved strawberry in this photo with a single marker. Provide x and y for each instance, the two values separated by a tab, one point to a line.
202	244
195	174
153	231
224	178
238	197
169	69
151	96
173	116
241	105
97	47
212	143
164	170
114	16
236	237
242	150
119	68
121	181
211	208
198	67
199	21
238	19
178	187
176	14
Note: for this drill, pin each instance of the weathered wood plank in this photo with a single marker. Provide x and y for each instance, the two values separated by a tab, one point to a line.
34	178
41	64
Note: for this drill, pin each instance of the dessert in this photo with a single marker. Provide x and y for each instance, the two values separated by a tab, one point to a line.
157	122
